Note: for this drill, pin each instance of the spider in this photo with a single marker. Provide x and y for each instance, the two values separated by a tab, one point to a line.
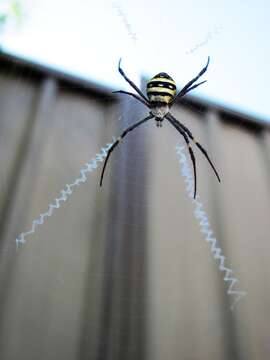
161	93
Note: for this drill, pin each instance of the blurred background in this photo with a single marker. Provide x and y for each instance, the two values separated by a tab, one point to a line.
123	271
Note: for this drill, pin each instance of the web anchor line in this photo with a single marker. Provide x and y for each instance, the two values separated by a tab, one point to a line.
205	228
65	194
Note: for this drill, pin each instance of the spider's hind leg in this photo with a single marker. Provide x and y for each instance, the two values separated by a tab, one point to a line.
118	140
182	132
184	128
133	95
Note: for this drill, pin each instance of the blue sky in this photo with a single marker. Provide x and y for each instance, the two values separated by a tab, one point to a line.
87	38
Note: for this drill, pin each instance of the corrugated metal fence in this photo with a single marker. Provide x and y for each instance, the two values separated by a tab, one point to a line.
124	272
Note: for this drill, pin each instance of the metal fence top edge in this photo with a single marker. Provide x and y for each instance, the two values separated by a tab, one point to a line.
79	84
41	71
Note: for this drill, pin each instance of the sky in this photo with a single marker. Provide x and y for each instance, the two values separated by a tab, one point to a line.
86	38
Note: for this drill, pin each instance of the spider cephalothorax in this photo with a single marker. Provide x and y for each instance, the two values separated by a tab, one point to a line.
161	93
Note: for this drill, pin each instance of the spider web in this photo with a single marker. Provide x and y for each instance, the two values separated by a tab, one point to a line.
152	266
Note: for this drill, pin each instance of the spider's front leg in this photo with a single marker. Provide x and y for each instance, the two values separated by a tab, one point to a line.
131	83
188	87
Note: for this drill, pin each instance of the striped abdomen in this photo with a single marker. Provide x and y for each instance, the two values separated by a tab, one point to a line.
161	89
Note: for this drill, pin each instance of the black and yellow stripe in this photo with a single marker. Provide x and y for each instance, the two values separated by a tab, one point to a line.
161	88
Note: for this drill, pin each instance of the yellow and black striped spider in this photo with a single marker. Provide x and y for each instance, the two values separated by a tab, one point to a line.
161	92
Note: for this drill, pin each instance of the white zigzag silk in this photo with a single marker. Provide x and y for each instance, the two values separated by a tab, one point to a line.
199	212
206	229
66	193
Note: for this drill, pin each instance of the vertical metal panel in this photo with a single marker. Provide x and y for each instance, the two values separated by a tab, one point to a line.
17	205
17	103
50	274
30	158
185	312
265	147
245	209
213	131
71	240
122	332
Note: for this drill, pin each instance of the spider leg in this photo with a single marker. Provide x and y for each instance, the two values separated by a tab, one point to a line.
117	141
178	123
131	83
134	95
193	87
191	82
182	132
